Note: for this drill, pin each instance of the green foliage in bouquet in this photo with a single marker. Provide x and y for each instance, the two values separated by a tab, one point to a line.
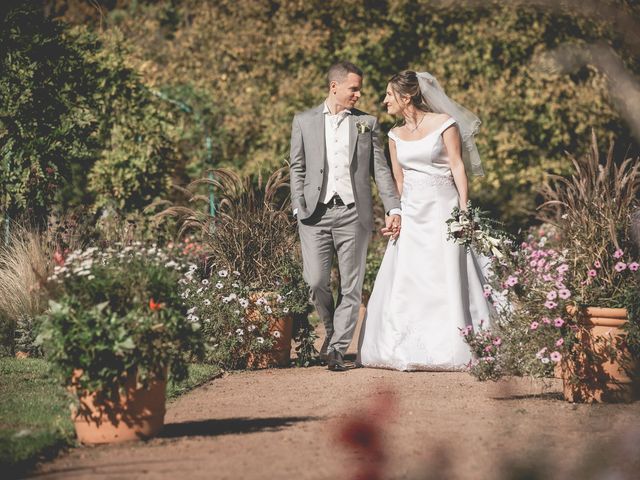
115	313
474	229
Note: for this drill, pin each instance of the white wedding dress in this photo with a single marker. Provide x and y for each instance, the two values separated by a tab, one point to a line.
427	288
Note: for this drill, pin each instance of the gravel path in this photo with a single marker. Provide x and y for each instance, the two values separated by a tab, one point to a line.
289	423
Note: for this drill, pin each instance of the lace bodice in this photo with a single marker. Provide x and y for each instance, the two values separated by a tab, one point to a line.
427	154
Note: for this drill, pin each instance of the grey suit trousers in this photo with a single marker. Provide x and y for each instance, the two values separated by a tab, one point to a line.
335	230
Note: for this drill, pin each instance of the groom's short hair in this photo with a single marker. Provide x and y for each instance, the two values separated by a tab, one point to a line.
339	71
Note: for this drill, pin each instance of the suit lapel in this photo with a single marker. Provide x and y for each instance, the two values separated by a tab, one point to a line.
353	136
318	126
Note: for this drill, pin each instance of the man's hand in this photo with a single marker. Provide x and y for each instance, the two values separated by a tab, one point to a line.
392	226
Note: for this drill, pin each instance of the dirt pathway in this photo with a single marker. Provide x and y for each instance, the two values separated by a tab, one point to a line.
287	423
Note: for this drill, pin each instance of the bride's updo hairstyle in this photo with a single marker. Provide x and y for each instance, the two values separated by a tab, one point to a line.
405	84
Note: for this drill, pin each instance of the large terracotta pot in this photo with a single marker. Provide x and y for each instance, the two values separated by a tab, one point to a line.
601	368
280	354
138	414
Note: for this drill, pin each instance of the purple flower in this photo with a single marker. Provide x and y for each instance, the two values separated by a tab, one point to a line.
633	266
555	356
618	253
592	273
549	304
620	266
558	322
552	295
563	268
564	293
534	325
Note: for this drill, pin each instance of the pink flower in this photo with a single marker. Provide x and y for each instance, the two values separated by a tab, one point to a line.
486	294
564	293
560	285
549	304
533	263
511	281
618	253
546	320
559	342
620	266
552	295
497	341
633	266
534	325
597	264
558	322
592	273
547	278
563	268
541	262
555	356
488	348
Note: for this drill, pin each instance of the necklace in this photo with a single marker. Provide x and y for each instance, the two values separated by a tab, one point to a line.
411	130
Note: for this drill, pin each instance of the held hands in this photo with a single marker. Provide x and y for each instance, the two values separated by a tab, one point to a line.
392	226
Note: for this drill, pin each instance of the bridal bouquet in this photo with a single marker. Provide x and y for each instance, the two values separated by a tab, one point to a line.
473	229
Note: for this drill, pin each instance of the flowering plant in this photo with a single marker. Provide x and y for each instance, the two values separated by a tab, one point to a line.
530	293
115	312
473	229
236	318
485	347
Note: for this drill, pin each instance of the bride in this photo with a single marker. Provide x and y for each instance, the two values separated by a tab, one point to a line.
427	288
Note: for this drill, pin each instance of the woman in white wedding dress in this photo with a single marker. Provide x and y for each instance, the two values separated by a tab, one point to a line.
427	288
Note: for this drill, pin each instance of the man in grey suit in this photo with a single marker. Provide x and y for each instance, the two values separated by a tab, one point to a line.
335	149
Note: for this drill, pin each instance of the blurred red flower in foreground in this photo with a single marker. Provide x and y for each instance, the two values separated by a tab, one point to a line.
155	306
363	433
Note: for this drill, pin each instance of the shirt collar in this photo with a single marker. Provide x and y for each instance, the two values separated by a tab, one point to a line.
326	110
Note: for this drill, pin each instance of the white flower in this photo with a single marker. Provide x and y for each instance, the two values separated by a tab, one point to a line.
251	328
191	310
185	294
285	310
83	273
235	285
199	290
280	298
219	285
268	309
192	267
237	312
244	303
277	334
207	302
193	318
240	331
261	301
170	264
226	299
223	273
91	277
544	360
260	340
236	273
205	282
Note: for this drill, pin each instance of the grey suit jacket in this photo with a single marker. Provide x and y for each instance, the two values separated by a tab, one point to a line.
309	164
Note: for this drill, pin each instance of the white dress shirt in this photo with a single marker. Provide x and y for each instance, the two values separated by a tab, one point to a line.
337	179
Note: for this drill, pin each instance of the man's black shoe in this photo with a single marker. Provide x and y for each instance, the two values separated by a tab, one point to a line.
336	362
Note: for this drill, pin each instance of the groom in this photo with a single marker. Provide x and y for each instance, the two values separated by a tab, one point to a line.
335	149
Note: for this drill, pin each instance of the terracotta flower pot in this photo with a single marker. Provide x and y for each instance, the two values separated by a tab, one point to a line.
138	414
280	353
601	368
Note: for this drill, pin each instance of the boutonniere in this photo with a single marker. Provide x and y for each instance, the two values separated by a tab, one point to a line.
363	127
